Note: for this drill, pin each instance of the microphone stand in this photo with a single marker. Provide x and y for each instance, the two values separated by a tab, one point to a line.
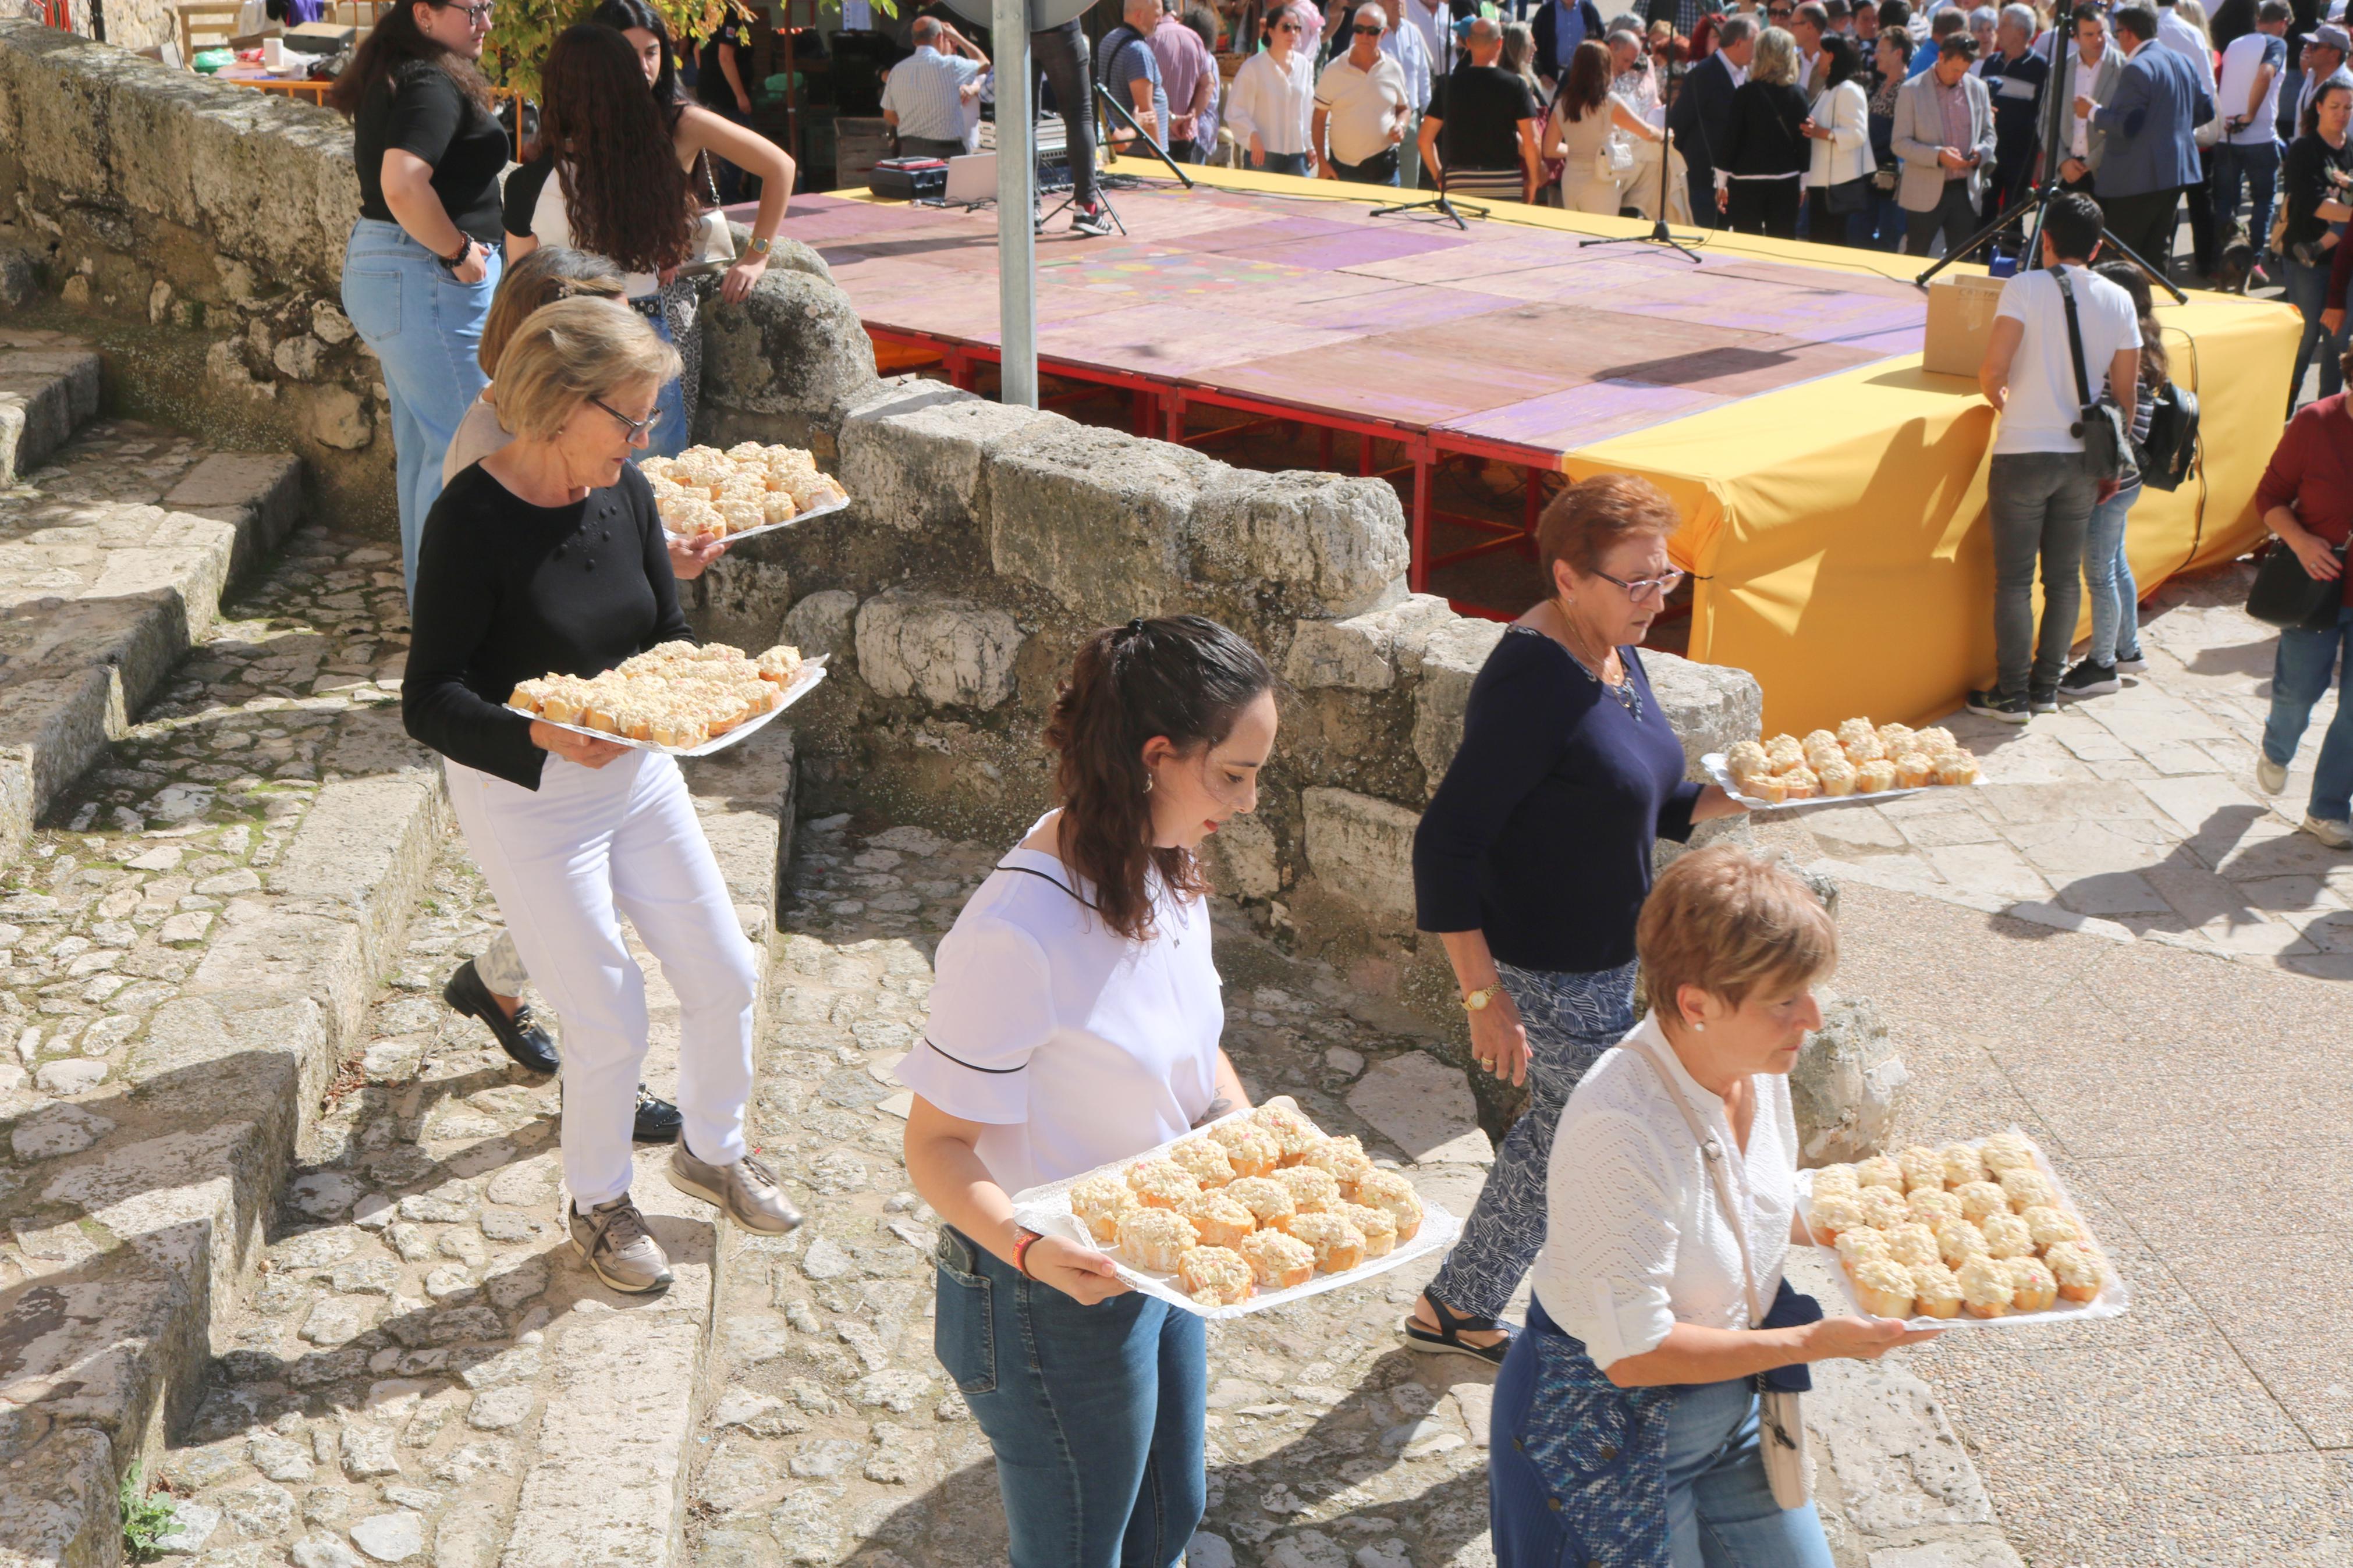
2054	152
1103	94
1660	233
1440	203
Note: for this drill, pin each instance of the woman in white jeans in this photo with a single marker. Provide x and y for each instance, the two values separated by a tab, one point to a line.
547	557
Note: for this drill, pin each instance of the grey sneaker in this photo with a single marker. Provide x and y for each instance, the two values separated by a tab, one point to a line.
2336	834
2270	774
613	1240
745	1191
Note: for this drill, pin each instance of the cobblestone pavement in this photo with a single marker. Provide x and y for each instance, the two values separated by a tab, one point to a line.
2135	814
109	908
834	1437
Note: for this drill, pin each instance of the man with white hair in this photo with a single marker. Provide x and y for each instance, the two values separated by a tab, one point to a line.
1361	107
1491	150
1700	116
2014	75
1130	71
924	98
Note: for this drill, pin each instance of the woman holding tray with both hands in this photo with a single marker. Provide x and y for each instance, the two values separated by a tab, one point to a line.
547	557
1074	1022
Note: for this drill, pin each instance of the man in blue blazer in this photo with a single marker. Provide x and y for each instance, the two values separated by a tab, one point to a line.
2148	128
1702	116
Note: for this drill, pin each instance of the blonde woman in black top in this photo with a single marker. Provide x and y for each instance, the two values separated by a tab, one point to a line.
548	558
1765	154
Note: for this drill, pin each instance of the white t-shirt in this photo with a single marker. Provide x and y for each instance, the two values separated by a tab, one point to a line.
1635	1238
2042	406
1361	104
2246	55
1074	1045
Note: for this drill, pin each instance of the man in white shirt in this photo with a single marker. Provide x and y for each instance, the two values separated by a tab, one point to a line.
924	99
1361	107
2247	99
2039	494
2090	72
1436	26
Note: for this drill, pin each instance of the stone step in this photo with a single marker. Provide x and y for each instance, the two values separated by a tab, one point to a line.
48	390
114	558
424	1360
190	943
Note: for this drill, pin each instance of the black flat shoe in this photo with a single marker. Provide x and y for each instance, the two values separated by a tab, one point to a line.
519	1036
657	1119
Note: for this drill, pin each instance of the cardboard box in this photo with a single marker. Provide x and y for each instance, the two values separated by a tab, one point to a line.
1960	320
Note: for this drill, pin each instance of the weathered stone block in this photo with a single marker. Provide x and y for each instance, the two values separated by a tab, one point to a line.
1333	543
794	346
1363	652
822	623
1242	858
1096	519
1847	1090
1711	706
948	651
912	457
1361	851
1444	655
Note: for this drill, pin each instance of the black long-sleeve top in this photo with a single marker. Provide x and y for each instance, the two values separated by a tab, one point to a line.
508	592
1540	834
1763	137
2304	185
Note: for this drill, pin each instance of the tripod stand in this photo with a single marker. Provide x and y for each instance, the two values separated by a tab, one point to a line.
1660	233
1440	203
2054	152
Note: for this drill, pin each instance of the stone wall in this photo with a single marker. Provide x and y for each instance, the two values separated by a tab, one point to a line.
214	218
985	540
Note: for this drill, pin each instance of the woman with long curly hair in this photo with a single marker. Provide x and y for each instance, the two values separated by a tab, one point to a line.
422	263
698	136
1074	1022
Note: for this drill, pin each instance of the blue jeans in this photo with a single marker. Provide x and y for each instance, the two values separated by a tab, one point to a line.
1720	1508
1281	163
2306	664
2257	166
1096	1413
1571	1019
2307	290
668	437
424	327
2040	503
2108	579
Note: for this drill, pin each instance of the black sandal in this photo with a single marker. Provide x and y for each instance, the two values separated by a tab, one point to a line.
1448	1337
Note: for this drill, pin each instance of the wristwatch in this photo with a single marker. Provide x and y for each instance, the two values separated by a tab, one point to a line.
1476	1001
759	247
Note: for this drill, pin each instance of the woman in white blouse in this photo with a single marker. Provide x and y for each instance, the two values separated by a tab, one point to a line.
1273	96
1626	1420
1838	126
1074	1022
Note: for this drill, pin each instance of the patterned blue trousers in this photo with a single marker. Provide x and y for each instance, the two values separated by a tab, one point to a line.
1571	1019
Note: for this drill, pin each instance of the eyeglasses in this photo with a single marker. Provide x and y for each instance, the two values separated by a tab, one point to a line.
1368	32
1642	588
637	427
1287	27
480	16
1781	16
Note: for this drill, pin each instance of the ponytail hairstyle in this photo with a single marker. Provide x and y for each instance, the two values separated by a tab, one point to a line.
624	193
1184	676
2133	281
396	40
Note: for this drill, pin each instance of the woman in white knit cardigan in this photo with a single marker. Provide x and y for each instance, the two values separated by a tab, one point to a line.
1839	129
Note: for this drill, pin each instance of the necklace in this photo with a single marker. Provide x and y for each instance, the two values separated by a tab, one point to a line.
1623	689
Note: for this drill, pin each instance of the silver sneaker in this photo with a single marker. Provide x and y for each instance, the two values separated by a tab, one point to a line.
612	1239
745	1191
2336	834
2270	775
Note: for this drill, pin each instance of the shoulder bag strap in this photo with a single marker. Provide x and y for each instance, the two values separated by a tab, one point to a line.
2074	342
1712	1153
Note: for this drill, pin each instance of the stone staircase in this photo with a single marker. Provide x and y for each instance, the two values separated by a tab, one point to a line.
260	1197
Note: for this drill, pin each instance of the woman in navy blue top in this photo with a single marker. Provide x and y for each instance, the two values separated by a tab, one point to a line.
1534	858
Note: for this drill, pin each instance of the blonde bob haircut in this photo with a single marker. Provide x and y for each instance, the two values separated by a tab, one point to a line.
1776	63
1730	924
565	353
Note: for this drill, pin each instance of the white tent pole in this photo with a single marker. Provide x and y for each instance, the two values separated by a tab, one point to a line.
1017	178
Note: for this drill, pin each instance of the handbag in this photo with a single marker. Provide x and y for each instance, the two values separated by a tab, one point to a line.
711	245
2107	445
1780	1424
2287	596
1614	160
2170	450
1846	196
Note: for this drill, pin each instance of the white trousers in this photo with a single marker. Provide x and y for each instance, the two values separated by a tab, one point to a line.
563	860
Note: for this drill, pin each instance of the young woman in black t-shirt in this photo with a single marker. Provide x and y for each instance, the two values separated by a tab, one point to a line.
422	262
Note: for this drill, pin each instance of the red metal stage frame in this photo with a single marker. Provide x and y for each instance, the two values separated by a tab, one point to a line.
1160	405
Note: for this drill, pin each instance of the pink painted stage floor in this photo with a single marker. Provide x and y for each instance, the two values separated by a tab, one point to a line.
1505	332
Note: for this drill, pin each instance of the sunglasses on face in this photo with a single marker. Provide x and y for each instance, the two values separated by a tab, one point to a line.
1368	32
